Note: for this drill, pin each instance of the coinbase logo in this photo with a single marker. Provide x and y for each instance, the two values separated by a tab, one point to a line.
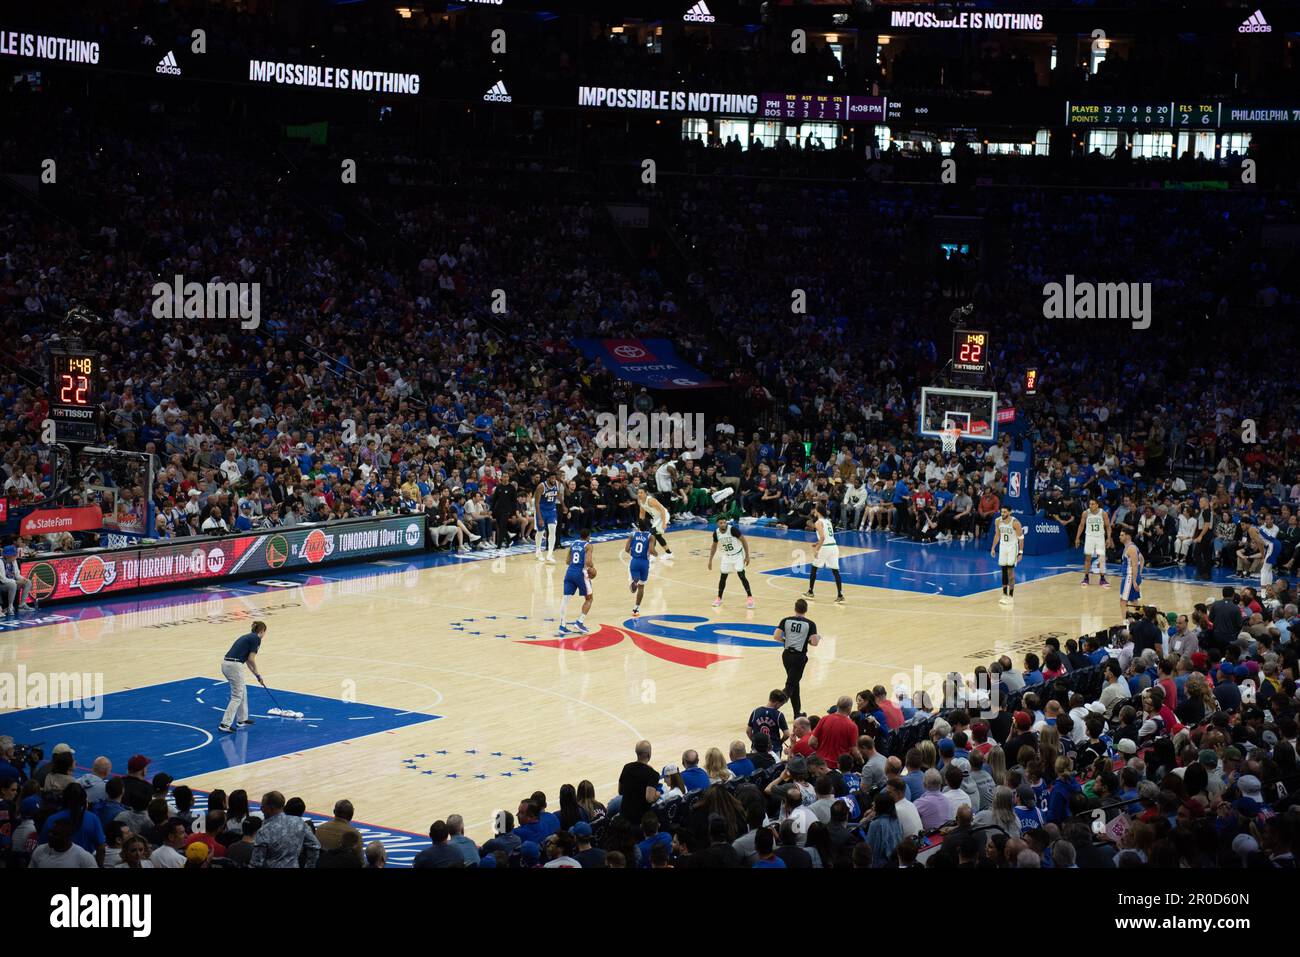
168	65
498	93
1255	23
699	14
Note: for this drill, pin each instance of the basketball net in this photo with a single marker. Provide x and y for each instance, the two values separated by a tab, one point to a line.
948	439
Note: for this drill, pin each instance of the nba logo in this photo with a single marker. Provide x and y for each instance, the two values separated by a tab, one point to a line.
1013	489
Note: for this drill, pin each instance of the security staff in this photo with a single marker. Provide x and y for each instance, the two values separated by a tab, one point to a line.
796	632
242	652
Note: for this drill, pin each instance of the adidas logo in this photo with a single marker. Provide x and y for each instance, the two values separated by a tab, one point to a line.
168	65
1255	23
699	14
498	93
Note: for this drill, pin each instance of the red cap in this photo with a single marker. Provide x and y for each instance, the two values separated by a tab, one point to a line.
138	763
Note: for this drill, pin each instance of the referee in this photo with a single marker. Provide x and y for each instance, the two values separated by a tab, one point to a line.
242	652
796	632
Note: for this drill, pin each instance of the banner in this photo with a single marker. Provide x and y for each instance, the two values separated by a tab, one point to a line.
48	521
103	572
1020	487
652	363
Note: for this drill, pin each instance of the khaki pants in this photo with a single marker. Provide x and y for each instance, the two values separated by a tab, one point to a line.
233	672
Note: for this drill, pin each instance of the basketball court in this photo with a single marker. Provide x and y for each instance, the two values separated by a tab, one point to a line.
439	685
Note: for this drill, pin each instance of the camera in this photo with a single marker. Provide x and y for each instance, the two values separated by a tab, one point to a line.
29	754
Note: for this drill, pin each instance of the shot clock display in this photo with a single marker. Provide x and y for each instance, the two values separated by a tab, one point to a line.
1031	382
74	387
970	351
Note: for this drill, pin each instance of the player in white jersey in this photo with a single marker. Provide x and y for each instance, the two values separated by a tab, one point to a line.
1270	548
665	477
826	554
1131	577
1094	532
1008	548
735	556
653	511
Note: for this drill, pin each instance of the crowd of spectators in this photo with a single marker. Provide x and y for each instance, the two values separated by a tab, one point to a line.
381	382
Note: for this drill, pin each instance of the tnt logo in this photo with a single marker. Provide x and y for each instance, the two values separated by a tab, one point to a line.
216	561
413	534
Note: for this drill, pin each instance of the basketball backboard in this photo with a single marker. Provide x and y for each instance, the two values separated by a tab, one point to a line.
972	412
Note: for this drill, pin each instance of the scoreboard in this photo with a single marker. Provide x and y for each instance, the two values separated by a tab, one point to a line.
970	351
1155	114
75	384
822	106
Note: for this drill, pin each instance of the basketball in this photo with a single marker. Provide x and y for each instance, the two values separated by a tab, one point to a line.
591	572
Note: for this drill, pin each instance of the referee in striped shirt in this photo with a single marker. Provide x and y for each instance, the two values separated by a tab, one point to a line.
796	632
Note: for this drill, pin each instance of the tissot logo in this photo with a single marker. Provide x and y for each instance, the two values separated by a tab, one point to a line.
699	14
498	93
168	64
1255	23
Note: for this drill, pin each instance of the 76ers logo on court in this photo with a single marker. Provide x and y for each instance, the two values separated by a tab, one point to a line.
1013	488
93	575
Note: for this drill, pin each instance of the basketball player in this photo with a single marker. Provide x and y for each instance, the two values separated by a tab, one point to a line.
547	499
826	554
735	556
1271	549
640	547
577	580
1008	548
652	510
796	632
1134	563
1095	533
665	478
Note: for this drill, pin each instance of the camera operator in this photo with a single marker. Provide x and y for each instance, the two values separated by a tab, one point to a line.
10	763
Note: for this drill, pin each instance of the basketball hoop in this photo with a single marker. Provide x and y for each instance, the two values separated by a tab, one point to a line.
948	439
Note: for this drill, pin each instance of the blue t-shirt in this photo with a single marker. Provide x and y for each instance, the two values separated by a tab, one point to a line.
742	768
646	846
774	862
540	829
696	779
244	646
88	837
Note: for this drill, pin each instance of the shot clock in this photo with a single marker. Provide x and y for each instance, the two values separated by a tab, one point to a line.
74	388
1031	382
970	350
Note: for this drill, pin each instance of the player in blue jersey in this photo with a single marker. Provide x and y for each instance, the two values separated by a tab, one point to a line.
578	574
1270	548
548	499
1131	579
640	547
